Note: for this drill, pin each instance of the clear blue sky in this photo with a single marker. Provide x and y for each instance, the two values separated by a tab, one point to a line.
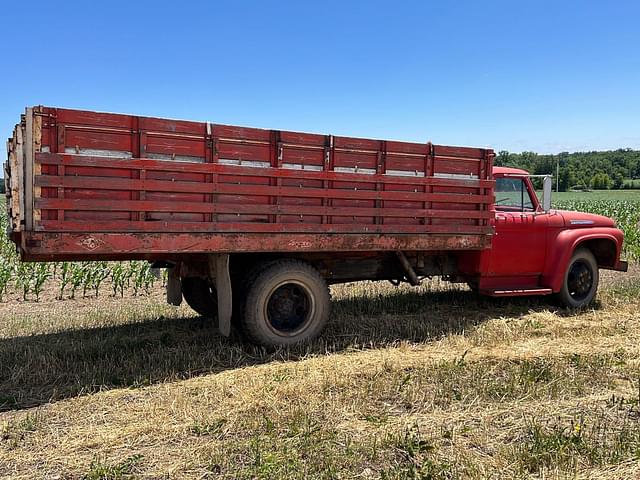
542	76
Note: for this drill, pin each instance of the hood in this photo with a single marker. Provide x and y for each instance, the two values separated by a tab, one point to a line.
585	220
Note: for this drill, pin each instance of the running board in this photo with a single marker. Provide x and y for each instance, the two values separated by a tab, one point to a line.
517	293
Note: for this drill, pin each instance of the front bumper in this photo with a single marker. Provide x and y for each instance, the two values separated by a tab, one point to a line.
621	266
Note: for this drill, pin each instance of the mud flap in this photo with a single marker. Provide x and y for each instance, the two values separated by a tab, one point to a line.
174	287
219	272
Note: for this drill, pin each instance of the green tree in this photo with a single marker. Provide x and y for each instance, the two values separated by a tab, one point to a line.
579	168
601	181
618	181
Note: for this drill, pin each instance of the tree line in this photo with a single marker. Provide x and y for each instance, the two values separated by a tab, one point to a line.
581	170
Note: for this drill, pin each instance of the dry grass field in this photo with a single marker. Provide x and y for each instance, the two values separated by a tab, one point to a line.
432	383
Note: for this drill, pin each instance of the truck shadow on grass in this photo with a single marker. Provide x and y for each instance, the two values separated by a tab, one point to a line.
42	368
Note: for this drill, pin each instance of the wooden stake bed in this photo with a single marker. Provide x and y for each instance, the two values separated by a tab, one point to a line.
97	185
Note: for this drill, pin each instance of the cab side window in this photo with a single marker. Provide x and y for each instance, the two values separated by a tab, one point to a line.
512	195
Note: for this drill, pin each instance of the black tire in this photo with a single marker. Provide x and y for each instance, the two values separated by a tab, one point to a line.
241	287
201	296
287	302
580	282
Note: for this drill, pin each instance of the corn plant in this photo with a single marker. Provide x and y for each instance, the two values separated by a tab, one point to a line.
120	275
40	274
23	278
100	273
64	277
142	276
6	272
78	272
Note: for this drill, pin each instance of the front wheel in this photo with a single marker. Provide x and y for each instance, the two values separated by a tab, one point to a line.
287	302
580	282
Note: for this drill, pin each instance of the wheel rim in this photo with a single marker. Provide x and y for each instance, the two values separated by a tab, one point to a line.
289	308
580	280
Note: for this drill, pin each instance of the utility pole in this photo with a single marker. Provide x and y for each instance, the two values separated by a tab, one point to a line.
557	174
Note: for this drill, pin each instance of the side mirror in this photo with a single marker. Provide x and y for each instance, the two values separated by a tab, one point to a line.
546	193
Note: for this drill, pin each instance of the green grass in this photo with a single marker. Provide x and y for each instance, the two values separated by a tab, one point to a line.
632	183
626	195
592	438
100	470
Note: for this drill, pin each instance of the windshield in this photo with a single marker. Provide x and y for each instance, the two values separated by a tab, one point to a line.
512	195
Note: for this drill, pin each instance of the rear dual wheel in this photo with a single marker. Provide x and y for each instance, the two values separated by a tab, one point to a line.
280	302
287	302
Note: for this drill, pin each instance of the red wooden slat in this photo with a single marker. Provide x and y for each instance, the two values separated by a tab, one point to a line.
81	117
111	163
259	209
177	146
350	143
106	183
467	152
237	132
82	138
302	139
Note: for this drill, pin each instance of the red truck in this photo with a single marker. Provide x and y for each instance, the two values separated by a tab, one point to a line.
253	224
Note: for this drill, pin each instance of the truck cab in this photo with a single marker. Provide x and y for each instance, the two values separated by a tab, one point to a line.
537	250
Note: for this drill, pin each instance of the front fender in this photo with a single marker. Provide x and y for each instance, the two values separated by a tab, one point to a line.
565	243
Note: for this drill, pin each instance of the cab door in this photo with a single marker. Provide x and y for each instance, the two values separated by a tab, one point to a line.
519	245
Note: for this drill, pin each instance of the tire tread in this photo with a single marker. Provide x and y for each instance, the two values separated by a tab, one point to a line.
261	274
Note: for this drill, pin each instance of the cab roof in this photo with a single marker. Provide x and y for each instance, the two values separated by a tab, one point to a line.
509	171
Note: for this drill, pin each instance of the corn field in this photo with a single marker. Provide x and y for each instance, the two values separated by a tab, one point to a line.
69	279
